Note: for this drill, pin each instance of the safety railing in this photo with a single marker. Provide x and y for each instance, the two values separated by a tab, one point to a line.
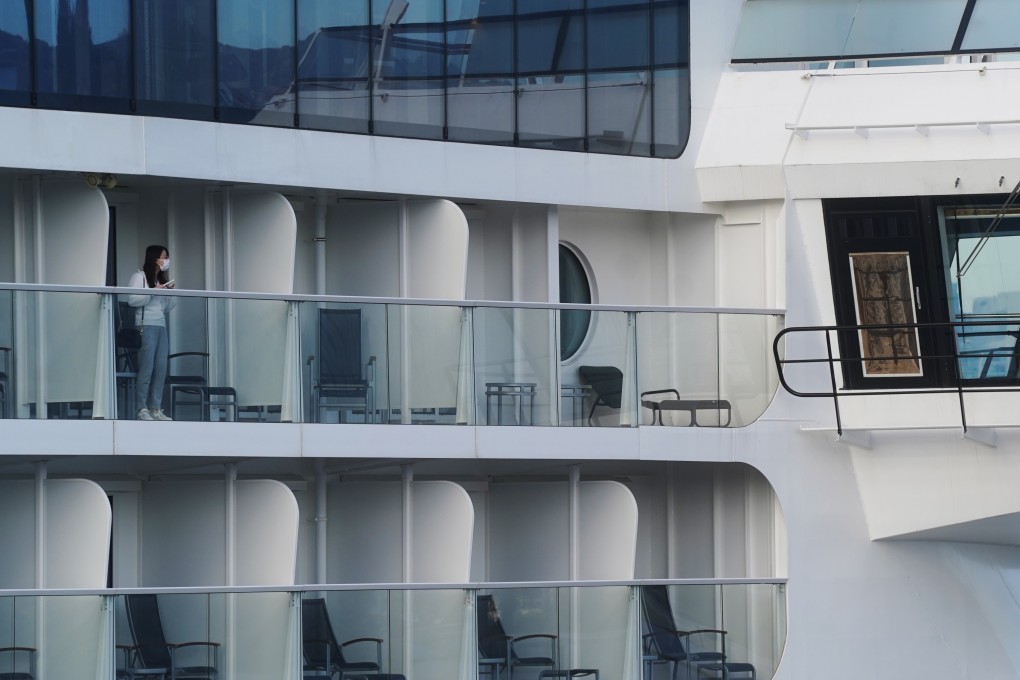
982	357
327	359
630	630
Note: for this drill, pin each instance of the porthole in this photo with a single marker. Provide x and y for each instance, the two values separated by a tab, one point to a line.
575	288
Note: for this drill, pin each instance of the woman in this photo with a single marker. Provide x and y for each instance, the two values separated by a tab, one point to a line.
150	319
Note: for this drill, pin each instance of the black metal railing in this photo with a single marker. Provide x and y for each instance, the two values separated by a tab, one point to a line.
948	365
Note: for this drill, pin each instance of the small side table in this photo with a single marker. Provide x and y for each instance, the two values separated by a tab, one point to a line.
521	396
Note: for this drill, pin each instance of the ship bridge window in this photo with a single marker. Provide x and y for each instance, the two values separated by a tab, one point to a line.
982	246
575	287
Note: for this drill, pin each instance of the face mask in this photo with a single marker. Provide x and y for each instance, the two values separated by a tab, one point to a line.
166	265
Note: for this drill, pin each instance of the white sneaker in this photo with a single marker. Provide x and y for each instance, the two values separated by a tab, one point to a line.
157	414
144	414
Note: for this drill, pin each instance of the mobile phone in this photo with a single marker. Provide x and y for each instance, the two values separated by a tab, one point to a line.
170	284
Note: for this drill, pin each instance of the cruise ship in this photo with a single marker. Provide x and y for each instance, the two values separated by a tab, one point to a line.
534	339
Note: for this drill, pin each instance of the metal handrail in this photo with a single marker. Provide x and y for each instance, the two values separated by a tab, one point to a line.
961	387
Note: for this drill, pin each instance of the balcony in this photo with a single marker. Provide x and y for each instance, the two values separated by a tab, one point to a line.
375	361
413	632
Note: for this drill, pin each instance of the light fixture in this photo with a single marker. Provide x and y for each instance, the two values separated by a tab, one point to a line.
104	180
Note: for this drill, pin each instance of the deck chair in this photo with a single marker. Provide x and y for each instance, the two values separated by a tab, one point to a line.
11	668
497	651
324	656
151	656
663	644
606	383
342	382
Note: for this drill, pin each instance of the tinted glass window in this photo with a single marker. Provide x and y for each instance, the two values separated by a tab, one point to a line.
334	66
14	59
256	60
83	53
177	41
480	70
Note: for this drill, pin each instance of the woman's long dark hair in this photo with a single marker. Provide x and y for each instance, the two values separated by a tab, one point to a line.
152	273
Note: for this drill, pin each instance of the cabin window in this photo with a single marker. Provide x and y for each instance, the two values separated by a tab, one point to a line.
575	288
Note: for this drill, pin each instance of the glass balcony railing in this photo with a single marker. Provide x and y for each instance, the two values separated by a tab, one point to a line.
630	631
69	352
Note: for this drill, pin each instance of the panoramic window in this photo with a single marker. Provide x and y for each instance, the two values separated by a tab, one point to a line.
602	76
574	289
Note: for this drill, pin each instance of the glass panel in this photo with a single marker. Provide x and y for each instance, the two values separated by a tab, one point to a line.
550	59
984	289
14	55
348	374
515	359
619	113
480	67
884	294
599	369
672	111
993	25
747	370
679	369
83	50
787	29
174	57
436	622
594	625
333	66
409	69
262	626
618	35
256	61
797	29
18	630
896	26
551	112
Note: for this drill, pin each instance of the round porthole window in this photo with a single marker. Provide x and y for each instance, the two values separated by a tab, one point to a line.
574	288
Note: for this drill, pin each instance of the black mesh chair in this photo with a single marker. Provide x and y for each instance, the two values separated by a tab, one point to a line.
324	656
17	663
190	387
152	656
497	651
664	644
342	382
607	385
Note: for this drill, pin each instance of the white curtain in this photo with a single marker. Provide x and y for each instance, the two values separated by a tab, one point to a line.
466	369
291	409
104	399
628	400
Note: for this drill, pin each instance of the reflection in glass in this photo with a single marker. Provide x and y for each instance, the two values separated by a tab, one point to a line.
993	25
256	61
176	39
82	48
480	70
619	113
984	286
409	68
574	289
550	65
14	55
334	42
798	29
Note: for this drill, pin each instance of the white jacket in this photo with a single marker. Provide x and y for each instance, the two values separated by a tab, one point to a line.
152	308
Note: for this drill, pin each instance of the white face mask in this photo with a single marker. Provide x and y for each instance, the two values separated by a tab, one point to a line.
166	265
